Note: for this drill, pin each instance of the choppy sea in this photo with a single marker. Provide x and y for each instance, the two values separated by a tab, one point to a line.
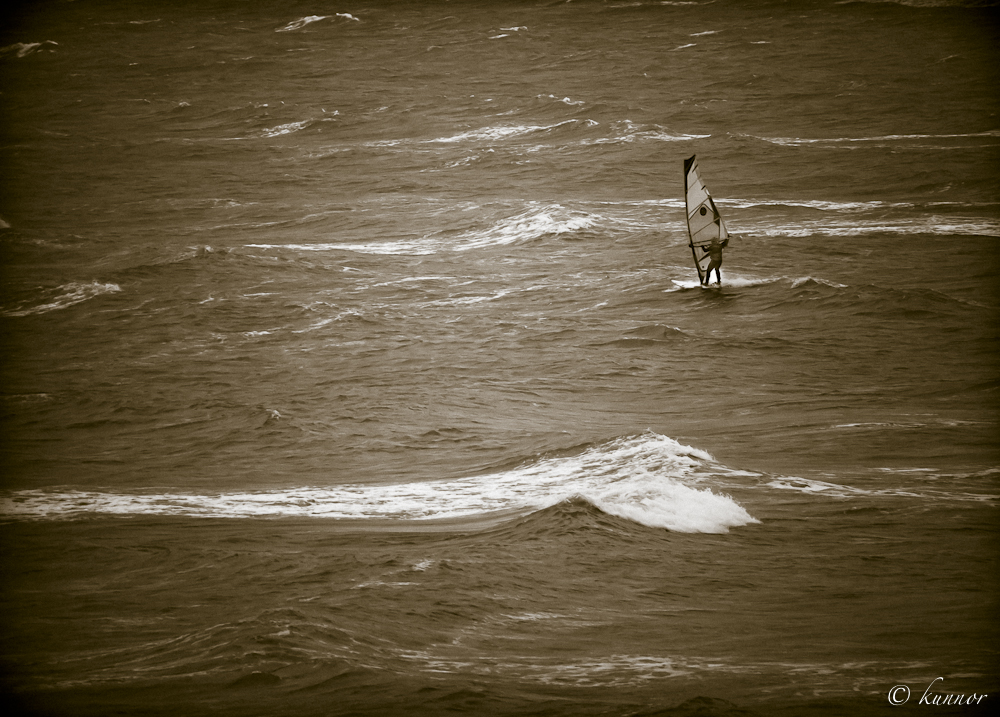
355	362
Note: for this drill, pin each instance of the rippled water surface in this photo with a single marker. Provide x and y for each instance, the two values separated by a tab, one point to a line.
355	362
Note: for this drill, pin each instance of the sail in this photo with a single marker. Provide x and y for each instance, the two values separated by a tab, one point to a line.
703	220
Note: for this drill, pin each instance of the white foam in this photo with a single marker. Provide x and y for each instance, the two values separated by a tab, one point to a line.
613	670
609	671
72	293
290	127
651	479
499	132
564	100
301	22
626	131
672	505
537	221
740	282
802	280
919	225
728	280
23	49
822	205
799	141
287	128
836	490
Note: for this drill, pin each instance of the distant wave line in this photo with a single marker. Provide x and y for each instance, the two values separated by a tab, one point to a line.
797	141
496	133
500	132
973	227
531	224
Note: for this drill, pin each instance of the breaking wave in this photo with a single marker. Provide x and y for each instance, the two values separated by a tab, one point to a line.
649	479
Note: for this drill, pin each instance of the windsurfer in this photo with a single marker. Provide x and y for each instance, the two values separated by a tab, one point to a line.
714	250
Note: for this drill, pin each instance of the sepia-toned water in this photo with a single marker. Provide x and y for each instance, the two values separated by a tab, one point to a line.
355	362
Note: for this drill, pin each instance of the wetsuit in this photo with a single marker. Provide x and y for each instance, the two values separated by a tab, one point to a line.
715	251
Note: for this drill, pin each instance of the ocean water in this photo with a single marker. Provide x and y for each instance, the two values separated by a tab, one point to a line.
354	359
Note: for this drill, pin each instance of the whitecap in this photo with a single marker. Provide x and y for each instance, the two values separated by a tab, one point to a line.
287	128
498	132
627	131
301	22
23	49
651	479
818	204
566	101
69	294
918	225
800	141
837	490
534	223
802	280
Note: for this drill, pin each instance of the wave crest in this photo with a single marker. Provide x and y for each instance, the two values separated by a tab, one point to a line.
649	479
23	49
301	22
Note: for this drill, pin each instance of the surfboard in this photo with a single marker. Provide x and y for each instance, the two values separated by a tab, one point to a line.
703	219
